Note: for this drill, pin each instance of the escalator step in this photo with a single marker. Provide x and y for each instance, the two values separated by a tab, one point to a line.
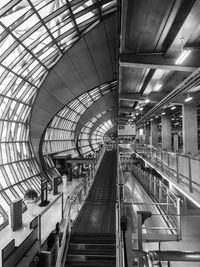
86	236
91	264
99	247
90	252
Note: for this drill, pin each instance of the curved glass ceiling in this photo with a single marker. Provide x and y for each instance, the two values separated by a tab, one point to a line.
59	135
34	34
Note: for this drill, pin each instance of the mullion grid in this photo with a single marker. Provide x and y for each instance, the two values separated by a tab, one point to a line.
19	60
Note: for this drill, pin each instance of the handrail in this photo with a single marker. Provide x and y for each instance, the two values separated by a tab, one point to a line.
167	202
173	255
120	237
181	167
68	222
43	212
61	257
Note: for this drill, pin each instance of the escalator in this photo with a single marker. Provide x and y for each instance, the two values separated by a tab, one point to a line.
93	241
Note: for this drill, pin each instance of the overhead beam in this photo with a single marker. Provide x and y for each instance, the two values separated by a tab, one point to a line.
125	118
153	61
153	97
127	110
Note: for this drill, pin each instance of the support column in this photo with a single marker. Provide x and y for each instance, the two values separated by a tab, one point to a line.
137	134
166	131
190	132
154	133
175	142
147	133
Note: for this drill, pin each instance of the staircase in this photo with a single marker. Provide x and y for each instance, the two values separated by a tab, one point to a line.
92	250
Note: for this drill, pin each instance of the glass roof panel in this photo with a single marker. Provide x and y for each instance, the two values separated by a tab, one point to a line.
26	25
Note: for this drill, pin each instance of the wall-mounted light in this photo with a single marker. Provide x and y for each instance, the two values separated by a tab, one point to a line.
189	98
156	116
183	56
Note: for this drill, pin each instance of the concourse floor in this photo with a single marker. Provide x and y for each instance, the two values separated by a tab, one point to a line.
98	213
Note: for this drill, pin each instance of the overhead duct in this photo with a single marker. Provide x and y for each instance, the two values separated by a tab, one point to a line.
192	81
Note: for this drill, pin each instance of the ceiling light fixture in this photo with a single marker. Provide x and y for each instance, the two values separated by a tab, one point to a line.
189	98
183	56
163	113
158	86
146	100
173	107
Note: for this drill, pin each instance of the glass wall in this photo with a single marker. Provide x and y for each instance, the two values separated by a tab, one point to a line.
34	36
59	136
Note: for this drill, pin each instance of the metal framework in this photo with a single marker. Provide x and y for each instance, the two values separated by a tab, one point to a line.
34	34
59	135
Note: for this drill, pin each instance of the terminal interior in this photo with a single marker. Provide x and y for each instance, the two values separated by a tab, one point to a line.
99	133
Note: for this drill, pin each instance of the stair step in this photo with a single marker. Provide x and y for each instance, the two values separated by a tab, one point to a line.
93	238
97	258
91	264
100	247
90	252
91	256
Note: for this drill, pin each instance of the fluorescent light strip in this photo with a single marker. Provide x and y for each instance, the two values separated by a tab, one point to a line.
158	86
188	98
183	56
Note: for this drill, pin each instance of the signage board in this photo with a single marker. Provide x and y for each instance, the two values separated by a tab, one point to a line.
126	130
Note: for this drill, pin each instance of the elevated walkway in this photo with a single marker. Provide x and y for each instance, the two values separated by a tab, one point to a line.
182	171
157	228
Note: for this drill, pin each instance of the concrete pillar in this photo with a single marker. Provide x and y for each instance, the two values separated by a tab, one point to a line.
147	133
190	132
175	142
166	131
154	133
137	136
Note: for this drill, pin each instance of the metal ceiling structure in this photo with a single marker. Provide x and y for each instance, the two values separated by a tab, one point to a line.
153	36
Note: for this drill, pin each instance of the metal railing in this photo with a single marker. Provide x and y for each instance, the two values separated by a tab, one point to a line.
167	202
160	257
184	169
120	242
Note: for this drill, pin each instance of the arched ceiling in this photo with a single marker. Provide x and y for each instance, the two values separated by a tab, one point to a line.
88	64
107	102
108	116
